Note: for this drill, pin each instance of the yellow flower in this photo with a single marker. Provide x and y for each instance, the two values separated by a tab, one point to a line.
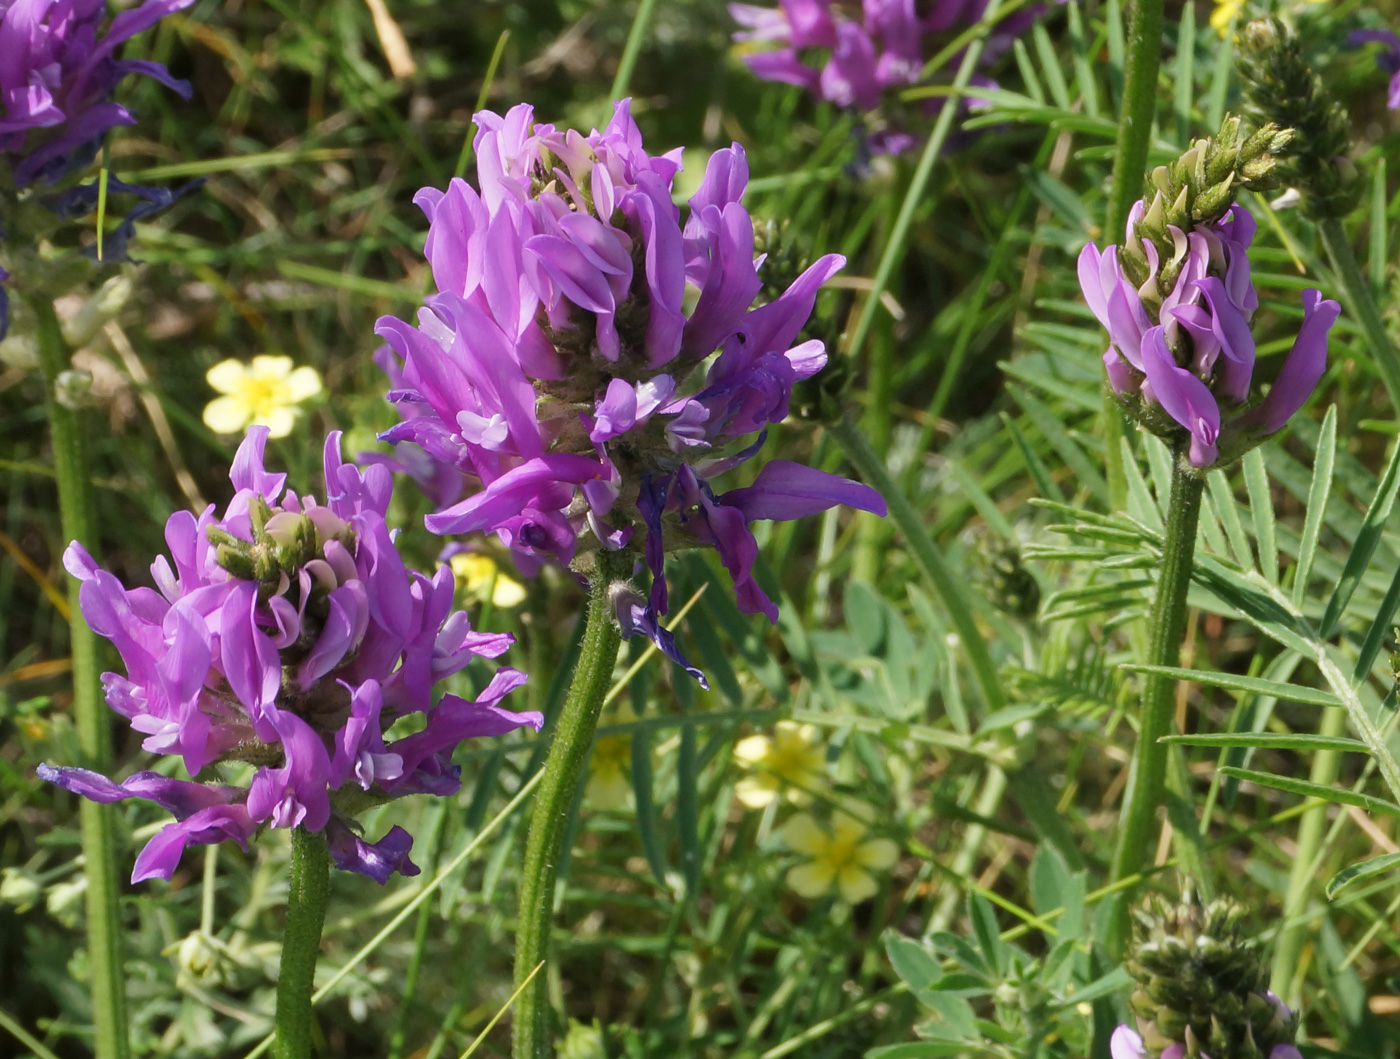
1226	11
475	574
610	766
791	759
840	855
264	393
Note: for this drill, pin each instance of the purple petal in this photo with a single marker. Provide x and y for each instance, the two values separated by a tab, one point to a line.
730	287
295	794
455	719
515	490
181	798
785	490
1304	367
1232	331
634	616
247	471
1183	397
218	823
1126	1044
378	860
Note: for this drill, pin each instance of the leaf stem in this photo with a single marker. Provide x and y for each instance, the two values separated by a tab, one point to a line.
89	711
569	749
301	944
1167	626
1357	294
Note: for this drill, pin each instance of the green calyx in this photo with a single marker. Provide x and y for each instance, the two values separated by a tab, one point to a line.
1198	189
284	542
1281	87
1202	983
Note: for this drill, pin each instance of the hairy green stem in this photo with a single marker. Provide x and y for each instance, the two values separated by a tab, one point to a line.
1325	766
1141	62
1167	625
568	750
90	716
301	944
1028	786
1357	294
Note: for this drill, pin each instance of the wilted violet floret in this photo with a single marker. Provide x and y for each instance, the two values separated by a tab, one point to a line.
853	54
289	635
56	78
562	365
1388	58
1190	353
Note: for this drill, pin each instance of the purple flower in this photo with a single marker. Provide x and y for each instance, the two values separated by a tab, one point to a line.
289	635
1388	58
861	56
1189	354
56	78
557	375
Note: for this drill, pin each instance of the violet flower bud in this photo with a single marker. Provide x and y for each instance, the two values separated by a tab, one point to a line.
300	673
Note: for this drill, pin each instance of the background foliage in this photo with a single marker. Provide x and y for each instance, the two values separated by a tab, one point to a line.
979	380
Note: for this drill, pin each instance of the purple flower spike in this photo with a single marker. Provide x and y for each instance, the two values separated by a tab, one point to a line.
1188	350
288	633
551	374
866	53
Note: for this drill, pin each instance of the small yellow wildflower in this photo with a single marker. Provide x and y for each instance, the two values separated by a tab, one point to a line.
1226	11
263	393
475	573
792	759
840	855
610	766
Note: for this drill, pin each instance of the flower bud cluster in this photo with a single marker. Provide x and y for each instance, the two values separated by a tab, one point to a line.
290	636
564	374
1178	303
1280	86
1203	991
866	53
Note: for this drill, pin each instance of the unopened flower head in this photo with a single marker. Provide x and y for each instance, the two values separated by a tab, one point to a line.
1177	301
557	369
1202	991
288	635
266	392
792	761
862	55
841	855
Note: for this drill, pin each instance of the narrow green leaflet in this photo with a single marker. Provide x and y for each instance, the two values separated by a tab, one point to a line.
1366	542
1314	790
1318	495
1364	870
1236	682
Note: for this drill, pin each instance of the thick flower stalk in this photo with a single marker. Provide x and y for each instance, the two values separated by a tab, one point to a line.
287	635
861	56
562	372
1177	301
1203	991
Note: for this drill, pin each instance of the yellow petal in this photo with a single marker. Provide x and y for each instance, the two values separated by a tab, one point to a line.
226	376
847	830
856	884
508	593
805	835
877	854
267	366
751	750
754	792
226	415
811	879
278	422
607	789
303	383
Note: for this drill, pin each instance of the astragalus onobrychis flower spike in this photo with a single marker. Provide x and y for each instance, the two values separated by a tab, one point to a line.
1177	300
288	635
862	55
56	82
559	377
